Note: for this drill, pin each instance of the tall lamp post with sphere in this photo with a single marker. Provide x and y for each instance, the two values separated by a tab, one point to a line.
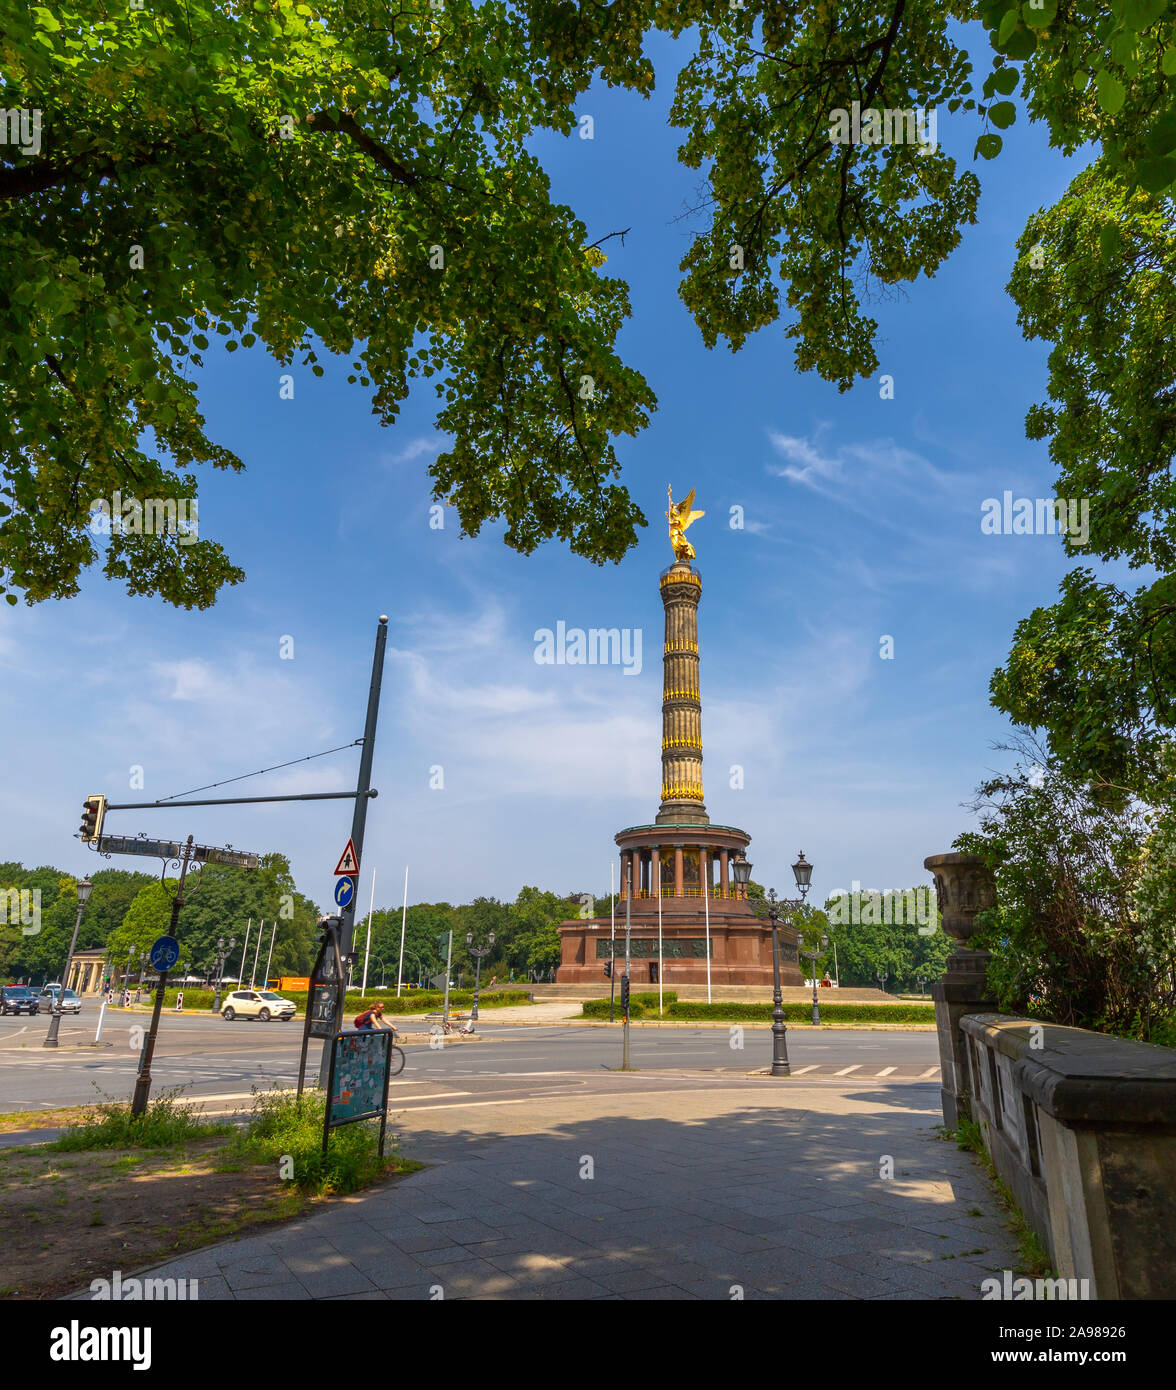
802	871
478	953
85	888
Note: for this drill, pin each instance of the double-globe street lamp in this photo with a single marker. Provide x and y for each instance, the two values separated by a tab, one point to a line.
478	952
812	957
223	948
802	871
85	888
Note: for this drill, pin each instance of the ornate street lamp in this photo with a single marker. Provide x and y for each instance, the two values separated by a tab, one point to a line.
802	871
223	948
85	888
478	952
822	947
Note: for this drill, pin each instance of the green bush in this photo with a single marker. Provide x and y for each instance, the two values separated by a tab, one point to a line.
165	1124
284	1125
645	1006
419	1001
640	1005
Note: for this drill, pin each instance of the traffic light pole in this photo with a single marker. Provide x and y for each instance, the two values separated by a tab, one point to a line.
143	1081
363	787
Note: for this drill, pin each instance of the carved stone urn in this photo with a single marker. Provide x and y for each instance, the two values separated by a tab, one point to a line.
963	887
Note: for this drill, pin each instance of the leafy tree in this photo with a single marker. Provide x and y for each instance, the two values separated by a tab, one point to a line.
148	918
533	944
873	946
334	178
1083	932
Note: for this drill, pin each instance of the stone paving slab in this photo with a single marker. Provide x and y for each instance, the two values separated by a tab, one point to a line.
710	1193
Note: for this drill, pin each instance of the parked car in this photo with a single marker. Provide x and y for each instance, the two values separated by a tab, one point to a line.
70	1003
262	1004
19	999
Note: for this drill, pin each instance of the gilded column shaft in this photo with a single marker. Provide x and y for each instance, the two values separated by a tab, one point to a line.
682	793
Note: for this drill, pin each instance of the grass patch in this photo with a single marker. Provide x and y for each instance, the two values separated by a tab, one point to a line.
165	1124
176	1184
286	1130
1032	1256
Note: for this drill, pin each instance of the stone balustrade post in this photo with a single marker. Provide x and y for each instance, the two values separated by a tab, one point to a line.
963	888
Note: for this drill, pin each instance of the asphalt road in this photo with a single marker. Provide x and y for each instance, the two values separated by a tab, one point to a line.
220	1062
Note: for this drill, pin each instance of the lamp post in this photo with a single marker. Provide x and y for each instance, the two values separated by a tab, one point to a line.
478	952
85	888
811	956
802	871
882	976
223	947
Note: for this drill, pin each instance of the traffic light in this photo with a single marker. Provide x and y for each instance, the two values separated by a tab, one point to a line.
93	811
608	970
625	993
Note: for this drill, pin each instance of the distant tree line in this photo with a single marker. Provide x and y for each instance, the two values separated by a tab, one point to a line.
129	909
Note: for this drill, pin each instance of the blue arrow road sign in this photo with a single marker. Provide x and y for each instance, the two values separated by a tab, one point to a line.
165	953
344	892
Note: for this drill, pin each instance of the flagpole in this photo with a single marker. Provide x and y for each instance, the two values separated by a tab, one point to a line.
661	965
706	890
256	956
368	948
403	924
269	958
612	949
245	954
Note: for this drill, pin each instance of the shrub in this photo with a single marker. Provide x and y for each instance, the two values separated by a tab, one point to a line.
734	1011
283	1124
165	1124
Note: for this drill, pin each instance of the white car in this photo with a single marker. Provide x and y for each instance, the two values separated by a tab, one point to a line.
262	1004
67	1000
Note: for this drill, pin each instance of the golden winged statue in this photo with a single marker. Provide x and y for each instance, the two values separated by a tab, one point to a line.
680	518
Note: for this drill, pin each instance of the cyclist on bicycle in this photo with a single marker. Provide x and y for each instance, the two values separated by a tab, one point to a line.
374	1018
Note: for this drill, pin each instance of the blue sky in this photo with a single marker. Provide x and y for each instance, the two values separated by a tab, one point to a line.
861	520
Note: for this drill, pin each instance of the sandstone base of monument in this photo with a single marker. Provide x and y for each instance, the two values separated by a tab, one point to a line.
740	946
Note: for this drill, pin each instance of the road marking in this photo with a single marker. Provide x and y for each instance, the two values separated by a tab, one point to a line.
929	1072
471	1105
886	1071
800	1071
845	1071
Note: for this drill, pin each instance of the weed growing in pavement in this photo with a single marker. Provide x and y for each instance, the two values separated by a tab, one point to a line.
1032	1257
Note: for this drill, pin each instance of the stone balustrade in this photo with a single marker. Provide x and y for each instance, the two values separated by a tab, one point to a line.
1081	1125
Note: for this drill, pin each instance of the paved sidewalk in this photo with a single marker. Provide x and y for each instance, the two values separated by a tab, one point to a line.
758	1191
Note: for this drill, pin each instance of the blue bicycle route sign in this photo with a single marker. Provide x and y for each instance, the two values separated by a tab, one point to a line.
165	953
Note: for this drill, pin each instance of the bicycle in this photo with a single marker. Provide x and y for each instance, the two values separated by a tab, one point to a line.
395	1060
449	1025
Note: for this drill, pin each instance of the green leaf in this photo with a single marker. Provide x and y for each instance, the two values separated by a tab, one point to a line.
1040	18
1109	91
989	146
1022	44
1161	135
1081	80
1002	115
1004	81
1168	62
1155	175
1140	14
1007	25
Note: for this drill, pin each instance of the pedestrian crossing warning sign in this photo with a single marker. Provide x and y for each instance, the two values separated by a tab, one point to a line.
348	862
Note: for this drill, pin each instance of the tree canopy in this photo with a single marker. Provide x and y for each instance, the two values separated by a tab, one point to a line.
341	178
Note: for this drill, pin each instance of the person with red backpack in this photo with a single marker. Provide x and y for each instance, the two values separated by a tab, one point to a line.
374	1018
